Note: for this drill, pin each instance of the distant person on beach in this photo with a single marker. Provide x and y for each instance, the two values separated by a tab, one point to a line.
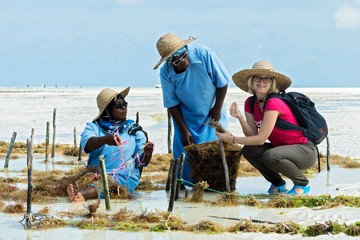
121	141
288	152
194	83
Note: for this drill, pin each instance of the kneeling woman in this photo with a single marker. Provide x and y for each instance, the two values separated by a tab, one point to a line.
121	141
288	152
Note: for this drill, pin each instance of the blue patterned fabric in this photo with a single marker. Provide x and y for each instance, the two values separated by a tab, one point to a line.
121	162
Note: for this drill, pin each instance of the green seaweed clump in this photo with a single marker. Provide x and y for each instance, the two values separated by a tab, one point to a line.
323	229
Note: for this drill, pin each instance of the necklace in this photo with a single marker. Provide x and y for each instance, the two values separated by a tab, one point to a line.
261	100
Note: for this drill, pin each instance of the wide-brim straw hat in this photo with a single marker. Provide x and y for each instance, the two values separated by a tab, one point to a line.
168	44
262	67
106	96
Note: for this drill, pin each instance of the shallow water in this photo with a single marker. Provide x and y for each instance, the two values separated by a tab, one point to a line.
24	109
338	181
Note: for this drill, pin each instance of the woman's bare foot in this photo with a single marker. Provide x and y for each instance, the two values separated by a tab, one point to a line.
78	197
74	197
70	192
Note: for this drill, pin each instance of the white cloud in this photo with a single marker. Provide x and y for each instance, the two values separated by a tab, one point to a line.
348	17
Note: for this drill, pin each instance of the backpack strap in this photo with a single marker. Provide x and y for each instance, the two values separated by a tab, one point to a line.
318	155
252	103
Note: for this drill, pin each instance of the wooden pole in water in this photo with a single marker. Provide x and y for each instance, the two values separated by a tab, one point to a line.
80	153
173	186
47	141
29	167
75	145
137	118
327	153
105	183
54	134
169	132
226	169
11	145
181	169
29	190
32	136
170	175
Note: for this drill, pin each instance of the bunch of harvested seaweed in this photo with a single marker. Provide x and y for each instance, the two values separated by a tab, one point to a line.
206	164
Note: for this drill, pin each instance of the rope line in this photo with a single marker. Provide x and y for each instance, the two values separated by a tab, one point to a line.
181	180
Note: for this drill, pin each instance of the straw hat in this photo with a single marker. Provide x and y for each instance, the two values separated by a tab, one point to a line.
106	96
168	44
262	67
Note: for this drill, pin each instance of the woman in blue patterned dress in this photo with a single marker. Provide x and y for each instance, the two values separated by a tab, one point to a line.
122	143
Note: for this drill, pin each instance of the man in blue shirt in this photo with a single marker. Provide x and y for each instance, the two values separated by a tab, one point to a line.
194	84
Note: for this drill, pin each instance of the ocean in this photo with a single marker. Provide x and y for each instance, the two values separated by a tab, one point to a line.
24	109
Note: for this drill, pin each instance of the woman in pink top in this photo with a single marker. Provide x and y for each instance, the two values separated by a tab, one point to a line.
287	152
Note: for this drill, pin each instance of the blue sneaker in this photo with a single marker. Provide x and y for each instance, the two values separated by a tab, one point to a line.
277	189
299	190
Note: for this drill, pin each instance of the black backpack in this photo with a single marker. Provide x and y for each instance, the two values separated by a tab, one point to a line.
311	122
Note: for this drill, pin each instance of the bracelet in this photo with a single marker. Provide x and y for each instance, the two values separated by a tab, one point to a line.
233	141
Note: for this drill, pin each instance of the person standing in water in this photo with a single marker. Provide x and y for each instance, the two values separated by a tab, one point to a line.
194	83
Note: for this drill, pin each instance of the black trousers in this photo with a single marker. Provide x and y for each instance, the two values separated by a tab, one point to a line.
288	160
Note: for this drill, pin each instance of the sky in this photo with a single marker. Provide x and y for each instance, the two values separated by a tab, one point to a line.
113	42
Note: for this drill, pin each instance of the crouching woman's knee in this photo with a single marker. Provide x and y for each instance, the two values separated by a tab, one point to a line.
271	158
247	151
251	153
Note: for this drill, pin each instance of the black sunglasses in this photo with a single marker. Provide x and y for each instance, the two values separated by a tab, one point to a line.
120	105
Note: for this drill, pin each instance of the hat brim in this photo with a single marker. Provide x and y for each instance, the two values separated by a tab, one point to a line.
241	78
183	43
123	94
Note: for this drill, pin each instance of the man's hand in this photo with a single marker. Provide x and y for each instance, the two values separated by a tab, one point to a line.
187	138
215	113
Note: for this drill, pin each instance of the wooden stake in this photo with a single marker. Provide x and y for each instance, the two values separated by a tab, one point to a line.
80	153
75	145
11	145
186	193
181	169
29	167
173	186
54	134
226	169
170	174
105	182
327	153
28	216
169	132
32	136
137	118
47	142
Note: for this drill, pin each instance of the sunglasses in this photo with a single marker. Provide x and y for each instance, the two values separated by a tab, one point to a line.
264	79
121	105
179	60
